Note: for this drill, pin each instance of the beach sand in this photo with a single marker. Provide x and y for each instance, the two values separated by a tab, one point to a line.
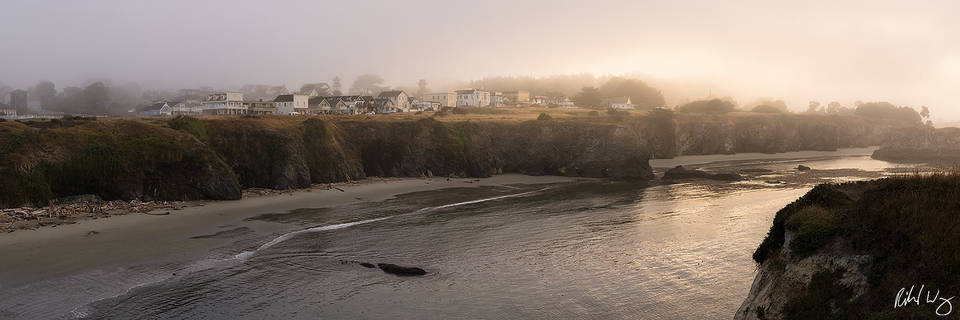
30	256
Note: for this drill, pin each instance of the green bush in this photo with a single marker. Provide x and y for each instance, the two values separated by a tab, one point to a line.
824	195
544	116
813	227
190	125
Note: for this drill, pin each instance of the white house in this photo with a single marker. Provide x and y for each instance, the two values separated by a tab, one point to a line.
386	106
224	103
185	108
496	99
444	99
423	105
8	114
260	107
291	103
338	104
618	103
158	109
399	101
473	98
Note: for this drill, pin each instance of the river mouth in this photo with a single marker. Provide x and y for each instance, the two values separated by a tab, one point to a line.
584	249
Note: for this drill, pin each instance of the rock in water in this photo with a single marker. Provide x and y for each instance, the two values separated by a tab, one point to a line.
401	271
803	168
367	265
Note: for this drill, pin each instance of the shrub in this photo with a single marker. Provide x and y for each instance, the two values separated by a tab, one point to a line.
544	116
617	115
824	195
813	227
714	106
190	125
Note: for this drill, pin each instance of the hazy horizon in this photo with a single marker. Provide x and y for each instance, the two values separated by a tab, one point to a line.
904	53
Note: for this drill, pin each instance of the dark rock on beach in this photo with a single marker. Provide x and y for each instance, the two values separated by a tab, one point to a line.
803	168
401	271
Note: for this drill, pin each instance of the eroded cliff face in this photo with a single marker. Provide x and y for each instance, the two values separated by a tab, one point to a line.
187	158
116	160
920	144
855	250
214	158
761	133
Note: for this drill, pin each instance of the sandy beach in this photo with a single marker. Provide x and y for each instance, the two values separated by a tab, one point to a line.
52	252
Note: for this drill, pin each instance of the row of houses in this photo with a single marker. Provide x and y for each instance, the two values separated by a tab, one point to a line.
233	103
477	98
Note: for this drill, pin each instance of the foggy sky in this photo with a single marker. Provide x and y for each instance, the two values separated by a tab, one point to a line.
906	52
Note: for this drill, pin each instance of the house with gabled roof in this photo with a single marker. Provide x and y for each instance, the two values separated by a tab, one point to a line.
291	103
160	108
398	101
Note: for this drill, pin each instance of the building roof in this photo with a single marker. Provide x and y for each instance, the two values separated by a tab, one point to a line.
390	94
284	98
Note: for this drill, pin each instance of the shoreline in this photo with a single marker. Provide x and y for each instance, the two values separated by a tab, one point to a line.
85	210
135	239
136	250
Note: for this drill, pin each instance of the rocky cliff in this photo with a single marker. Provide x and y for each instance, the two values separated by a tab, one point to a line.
921	144
187	158
688	134
113	159
854	250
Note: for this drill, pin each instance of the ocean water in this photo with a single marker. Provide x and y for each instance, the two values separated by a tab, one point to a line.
588	249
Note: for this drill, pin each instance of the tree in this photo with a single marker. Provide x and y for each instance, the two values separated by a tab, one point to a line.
322	88
96	98
589	97
767	105
367	84
45	92
887	111
924	112
641	94
421	87
337	86
713	106
814	107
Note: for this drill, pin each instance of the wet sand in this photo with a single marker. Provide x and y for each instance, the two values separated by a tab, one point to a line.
30	256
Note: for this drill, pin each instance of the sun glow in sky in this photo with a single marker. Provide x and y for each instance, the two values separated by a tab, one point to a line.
905	52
